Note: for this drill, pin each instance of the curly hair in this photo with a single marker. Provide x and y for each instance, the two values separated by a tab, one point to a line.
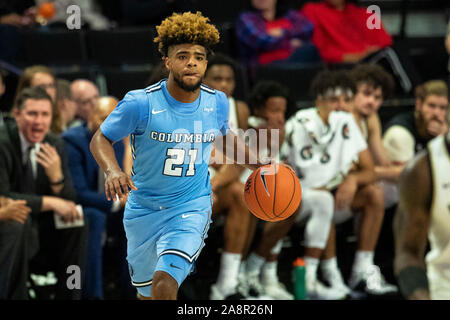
331	79
375	76
186	28
263	90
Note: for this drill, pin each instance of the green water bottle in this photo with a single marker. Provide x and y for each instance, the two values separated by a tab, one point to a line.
298	274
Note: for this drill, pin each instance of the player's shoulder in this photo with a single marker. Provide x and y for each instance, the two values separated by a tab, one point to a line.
154	87
342	115
208	89
302	116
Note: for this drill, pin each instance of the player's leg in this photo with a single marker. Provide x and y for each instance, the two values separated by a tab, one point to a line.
179	245
365	276
318	209
272	233
170	272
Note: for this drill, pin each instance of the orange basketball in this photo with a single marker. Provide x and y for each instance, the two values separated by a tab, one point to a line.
47	10
273	192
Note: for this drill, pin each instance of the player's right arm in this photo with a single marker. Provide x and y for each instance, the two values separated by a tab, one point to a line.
129	117
411	224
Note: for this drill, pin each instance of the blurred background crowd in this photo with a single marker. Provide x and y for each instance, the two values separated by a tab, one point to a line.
385	62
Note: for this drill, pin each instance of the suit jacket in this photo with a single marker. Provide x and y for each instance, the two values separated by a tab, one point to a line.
84	168
11	171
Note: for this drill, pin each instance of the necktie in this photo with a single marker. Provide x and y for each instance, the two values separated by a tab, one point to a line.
28	179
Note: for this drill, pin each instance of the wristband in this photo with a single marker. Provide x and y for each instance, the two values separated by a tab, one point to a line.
60	181
411	279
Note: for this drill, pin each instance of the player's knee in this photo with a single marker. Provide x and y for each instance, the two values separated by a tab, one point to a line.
164	286
374	196
322	203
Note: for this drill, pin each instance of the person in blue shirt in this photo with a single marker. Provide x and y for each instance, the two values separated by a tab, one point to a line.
172	126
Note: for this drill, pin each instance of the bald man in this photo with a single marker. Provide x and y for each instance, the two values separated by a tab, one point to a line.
85	94
89	184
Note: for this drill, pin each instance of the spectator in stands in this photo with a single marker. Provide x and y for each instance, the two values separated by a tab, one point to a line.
17	13
65	103
227	183
14	228
88	181
268	101
42	76
409	132
85	93
346	33
373	85
268	34
328	152
33	167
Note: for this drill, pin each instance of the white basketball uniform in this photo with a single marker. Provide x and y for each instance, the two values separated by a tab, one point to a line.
438	259
322	155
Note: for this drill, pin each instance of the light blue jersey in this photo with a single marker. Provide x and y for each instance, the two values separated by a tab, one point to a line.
171	154
166	220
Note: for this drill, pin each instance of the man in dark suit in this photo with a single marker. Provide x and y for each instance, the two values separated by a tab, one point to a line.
33	167
101	214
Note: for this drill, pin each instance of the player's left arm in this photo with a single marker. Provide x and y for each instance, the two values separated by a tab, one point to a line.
410	227
229	145
232	147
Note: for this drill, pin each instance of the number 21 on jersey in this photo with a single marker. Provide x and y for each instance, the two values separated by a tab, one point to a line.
175	160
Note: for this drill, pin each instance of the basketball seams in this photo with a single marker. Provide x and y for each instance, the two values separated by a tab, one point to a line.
274	194
293	194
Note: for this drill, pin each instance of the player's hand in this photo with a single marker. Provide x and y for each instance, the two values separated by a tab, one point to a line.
346	192
48	157
15	210
118	184
66	209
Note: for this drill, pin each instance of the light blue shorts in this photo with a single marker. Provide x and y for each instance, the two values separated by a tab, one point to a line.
165	239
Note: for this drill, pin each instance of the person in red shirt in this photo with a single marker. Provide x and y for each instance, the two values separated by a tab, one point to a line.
342	33
346	33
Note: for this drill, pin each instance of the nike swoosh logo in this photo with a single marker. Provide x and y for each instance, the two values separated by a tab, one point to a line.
175	266
184	216
157	111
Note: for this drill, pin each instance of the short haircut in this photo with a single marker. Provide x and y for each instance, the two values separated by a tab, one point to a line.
263	90
63	90
331	81
186	28
432	87
375	76
222	59
35	93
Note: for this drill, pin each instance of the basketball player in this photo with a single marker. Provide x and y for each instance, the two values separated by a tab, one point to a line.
327	150
424	214
173	124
